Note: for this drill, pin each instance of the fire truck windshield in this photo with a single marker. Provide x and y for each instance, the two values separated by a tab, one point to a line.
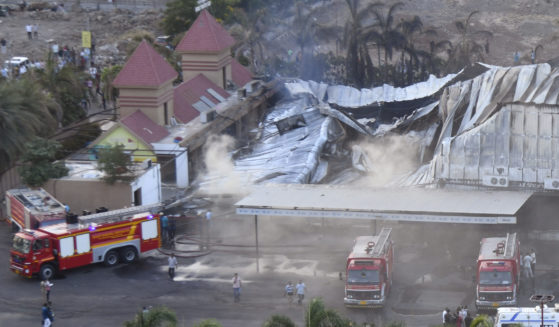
495	278
20	244
363	276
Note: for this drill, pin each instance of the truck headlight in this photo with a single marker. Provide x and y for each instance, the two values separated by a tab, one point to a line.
376	296
27	271
509	297
349	296
482	298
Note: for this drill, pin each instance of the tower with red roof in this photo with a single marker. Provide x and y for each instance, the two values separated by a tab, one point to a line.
206	49
146	83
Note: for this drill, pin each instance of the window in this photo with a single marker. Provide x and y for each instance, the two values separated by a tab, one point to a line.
21	245
37	245
66	246
82	243
149	229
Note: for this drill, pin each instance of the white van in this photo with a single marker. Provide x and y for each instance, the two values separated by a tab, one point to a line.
527	317
17	62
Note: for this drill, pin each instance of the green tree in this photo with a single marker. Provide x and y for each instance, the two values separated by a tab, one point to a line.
208	323
317	315
66	86
38	164
279	321
359	65
25	112
155	317
107	77
249	36
470	47
116	164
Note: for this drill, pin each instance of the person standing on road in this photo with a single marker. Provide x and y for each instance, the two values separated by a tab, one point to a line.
446	317
164	227
47	315
289	292
237	283
45	289
35	31
29	30
468	320
172	265
527	264
533	265
207	223
3	44
300	291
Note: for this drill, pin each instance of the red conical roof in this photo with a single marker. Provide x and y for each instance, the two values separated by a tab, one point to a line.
205	35
145	67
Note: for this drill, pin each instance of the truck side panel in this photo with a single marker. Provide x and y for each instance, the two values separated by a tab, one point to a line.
150	235
100	251
17	211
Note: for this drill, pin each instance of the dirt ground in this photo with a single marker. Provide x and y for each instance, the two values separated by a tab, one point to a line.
517	25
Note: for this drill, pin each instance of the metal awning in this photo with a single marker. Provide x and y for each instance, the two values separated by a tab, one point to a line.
416	205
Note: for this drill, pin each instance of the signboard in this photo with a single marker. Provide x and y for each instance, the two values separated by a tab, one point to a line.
86	39
202	5
454	219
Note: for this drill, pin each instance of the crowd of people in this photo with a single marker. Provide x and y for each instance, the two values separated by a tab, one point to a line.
460	318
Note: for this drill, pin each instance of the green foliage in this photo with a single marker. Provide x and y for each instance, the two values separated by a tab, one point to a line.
208	323
155	317
178	16
107	77
66	86
25	112
317	315
83	135
279	321
37	160
115	163
482	321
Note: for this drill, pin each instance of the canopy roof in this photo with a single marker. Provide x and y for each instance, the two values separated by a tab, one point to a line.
421	205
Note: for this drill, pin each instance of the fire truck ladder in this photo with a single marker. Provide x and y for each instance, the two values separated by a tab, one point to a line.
381	243
119	214
509	244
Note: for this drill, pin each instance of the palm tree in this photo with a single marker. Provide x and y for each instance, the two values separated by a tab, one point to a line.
155	317
357	35
279	321
25	112
66	86
250	35
468	49
317	315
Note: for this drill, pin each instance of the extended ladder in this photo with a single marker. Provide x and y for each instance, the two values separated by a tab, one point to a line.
119	214
510	245
383	237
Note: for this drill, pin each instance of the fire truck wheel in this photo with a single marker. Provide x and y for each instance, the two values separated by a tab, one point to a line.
128	254
111	258
47	271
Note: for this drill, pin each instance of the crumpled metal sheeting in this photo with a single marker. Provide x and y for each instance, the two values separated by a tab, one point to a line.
506	120
294	156
349	97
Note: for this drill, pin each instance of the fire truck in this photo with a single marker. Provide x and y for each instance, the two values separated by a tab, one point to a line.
107	237
498	272
32	209
527	317
369	271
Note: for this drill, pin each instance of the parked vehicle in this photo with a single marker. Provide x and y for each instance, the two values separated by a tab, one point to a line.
527	317
498	272
32	209
369	271
108	237
17	62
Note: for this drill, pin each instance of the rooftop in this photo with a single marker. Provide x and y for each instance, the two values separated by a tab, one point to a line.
205	35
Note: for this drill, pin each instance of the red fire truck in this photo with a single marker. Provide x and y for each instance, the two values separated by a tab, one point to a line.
31	209
498	272
108	237
369	271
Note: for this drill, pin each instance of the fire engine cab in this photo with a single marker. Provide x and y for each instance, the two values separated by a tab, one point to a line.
108	237
527	317
369	271
498	272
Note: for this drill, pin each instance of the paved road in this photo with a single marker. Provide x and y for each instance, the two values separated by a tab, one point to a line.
428	276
